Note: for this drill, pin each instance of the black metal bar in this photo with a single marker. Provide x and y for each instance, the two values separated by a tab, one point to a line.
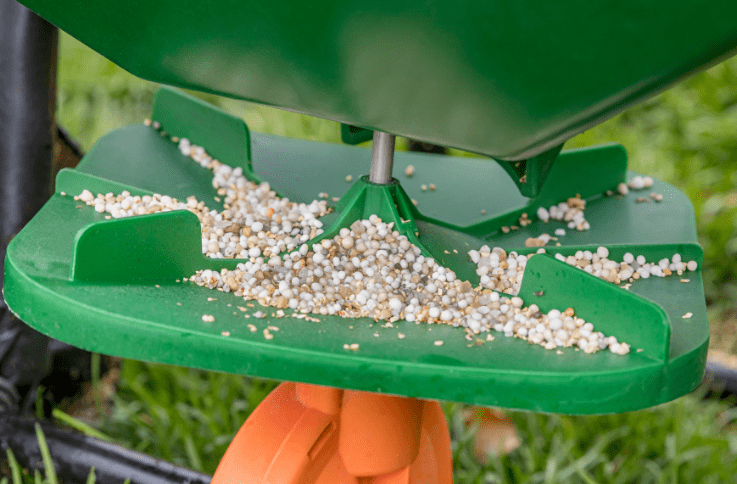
27	102
721	379
74	454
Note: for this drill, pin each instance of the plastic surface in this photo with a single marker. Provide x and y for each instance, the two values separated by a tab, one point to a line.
339	436
100	296
508	78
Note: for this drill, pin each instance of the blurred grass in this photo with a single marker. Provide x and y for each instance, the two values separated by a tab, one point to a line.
685	136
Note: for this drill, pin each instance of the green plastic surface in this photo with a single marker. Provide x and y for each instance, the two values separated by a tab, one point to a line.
111	285
506	78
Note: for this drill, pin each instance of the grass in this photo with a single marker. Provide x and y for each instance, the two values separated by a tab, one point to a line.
685	136
17	475
189	417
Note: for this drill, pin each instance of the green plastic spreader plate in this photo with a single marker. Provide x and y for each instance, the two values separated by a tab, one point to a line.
506	78
110	285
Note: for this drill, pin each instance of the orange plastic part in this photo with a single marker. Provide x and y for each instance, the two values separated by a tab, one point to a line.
306	434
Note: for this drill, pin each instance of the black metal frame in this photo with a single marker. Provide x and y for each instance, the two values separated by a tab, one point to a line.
27	103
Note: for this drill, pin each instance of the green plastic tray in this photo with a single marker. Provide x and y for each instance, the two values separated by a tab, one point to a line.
110	285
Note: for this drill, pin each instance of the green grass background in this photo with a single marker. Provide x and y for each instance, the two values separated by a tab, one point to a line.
686	136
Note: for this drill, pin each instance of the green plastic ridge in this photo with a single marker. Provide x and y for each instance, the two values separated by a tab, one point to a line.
225	137
73	182
158	247
588	172
553	284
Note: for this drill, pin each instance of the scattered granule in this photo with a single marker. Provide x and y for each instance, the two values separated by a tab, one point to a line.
253	328
273	328
349	178
211	299
208	318
687	316
685	280
225	333
433	187
524	221
409	171
438	343
640	182
535	242
400	335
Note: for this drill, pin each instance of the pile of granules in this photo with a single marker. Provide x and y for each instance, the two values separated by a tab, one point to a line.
254	221
371	270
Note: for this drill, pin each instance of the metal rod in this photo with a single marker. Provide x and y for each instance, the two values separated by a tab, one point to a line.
382	158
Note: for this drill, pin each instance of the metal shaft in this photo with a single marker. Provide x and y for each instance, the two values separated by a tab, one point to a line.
382	158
